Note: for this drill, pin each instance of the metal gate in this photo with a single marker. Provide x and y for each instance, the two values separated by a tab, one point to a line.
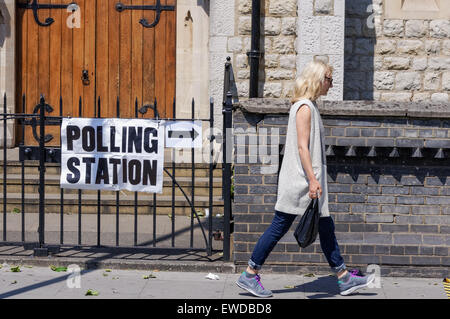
212	228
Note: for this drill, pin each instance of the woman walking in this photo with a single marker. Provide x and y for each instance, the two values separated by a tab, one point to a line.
303	176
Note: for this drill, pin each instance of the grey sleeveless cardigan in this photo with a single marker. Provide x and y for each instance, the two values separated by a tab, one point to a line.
293	186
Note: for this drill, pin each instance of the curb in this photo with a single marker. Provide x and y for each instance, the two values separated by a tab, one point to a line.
86	263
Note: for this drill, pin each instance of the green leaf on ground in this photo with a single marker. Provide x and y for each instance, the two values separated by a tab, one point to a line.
16	211
200	213
289	287
58	269
91	292
149	276
15	269
309	275
108	270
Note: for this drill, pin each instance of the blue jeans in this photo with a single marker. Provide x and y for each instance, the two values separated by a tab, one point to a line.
280	225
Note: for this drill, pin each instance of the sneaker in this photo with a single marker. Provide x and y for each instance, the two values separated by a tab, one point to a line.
352	282
253	285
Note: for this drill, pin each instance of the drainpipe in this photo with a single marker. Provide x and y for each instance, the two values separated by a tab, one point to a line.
254	53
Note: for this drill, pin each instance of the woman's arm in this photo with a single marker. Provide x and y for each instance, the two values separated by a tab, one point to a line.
303	124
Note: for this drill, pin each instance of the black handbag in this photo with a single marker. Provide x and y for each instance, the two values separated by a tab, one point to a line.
308	226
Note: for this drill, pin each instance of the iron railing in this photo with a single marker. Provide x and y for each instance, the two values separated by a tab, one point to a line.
45	154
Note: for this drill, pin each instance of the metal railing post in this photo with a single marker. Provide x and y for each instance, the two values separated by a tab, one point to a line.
226	174
41	250
5	145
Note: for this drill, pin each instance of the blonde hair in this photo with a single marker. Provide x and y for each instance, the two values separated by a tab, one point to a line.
309	84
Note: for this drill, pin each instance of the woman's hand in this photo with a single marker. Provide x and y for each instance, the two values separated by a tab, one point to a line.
314	188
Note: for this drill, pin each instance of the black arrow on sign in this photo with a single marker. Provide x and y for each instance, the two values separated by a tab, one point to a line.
184	134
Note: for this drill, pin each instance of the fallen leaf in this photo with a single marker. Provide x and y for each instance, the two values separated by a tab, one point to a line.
107	270
200	213
58	269
91	292
309	275
148	276
15	269
105	275
289	287
14	282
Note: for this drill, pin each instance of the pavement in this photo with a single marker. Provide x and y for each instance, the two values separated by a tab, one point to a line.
32	282
156	270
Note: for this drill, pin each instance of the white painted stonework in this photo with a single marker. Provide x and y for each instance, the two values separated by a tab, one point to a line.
321	35
7	66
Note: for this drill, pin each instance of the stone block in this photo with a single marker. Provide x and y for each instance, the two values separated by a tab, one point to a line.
397	63
283	45
432	46
446	47
440	29
305	8
384	80
393	28
440	97
408	81
385	46
419	64
439	63
272	26
413	47
272	89
283	7
446	81
288	62
323	7
245	6
289	26
416	28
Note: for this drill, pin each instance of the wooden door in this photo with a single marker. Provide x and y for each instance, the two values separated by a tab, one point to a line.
121	58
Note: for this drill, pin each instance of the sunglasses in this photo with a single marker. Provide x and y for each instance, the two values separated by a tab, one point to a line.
329	79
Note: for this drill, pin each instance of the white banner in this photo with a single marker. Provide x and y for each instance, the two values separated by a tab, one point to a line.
112	154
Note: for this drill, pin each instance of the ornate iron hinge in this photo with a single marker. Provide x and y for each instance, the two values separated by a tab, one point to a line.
35	6
158	8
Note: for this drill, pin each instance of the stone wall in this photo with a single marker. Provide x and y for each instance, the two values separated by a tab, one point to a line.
385	59
389	185
395	59
7	66
278	36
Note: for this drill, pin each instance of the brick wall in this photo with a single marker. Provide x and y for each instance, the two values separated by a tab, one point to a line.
389	186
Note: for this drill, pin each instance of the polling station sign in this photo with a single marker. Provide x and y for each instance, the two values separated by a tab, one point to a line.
112	154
